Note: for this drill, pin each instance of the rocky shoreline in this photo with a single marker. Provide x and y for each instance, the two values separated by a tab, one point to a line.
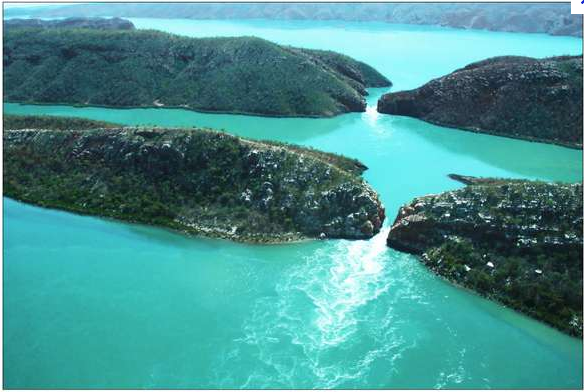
516	242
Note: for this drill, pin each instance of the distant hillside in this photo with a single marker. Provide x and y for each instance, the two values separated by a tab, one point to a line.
549	18
197	181
520	97
85	23
142	68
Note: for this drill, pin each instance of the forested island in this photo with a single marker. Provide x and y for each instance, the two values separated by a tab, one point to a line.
550	18
197	181
146	68
517	242
519	97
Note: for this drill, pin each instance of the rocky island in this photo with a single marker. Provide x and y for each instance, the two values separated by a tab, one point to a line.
519	97
517	242
197	181
146	68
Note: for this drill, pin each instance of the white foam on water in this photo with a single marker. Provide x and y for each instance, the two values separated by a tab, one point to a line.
325	326
455	375
354	277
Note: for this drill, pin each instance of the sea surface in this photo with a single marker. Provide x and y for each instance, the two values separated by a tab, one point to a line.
93	303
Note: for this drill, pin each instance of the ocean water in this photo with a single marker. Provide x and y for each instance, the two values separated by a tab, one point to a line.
92	303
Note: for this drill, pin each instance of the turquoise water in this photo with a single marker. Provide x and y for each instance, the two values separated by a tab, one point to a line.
91	303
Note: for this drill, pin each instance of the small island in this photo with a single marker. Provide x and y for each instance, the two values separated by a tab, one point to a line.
146	68
518	97
197	181
517	242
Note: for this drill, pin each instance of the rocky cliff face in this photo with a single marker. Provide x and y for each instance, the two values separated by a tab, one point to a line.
517	242
517	97
71	23
197	181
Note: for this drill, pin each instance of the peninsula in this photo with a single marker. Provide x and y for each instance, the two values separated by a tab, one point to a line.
519	97
197	181
517	242
146	68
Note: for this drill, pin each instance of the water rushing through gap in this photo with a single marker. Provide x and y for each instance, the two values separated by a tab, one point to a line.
91	303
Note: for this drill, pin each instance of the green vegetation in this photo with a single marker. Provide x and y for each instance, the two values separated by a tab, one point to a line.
134	68
12	121
355	71
553	296
197	181
517	242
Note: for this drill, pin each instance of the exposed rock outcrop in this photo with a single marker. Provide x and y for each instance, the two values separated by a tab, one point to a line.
197	181
517	242
518	97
